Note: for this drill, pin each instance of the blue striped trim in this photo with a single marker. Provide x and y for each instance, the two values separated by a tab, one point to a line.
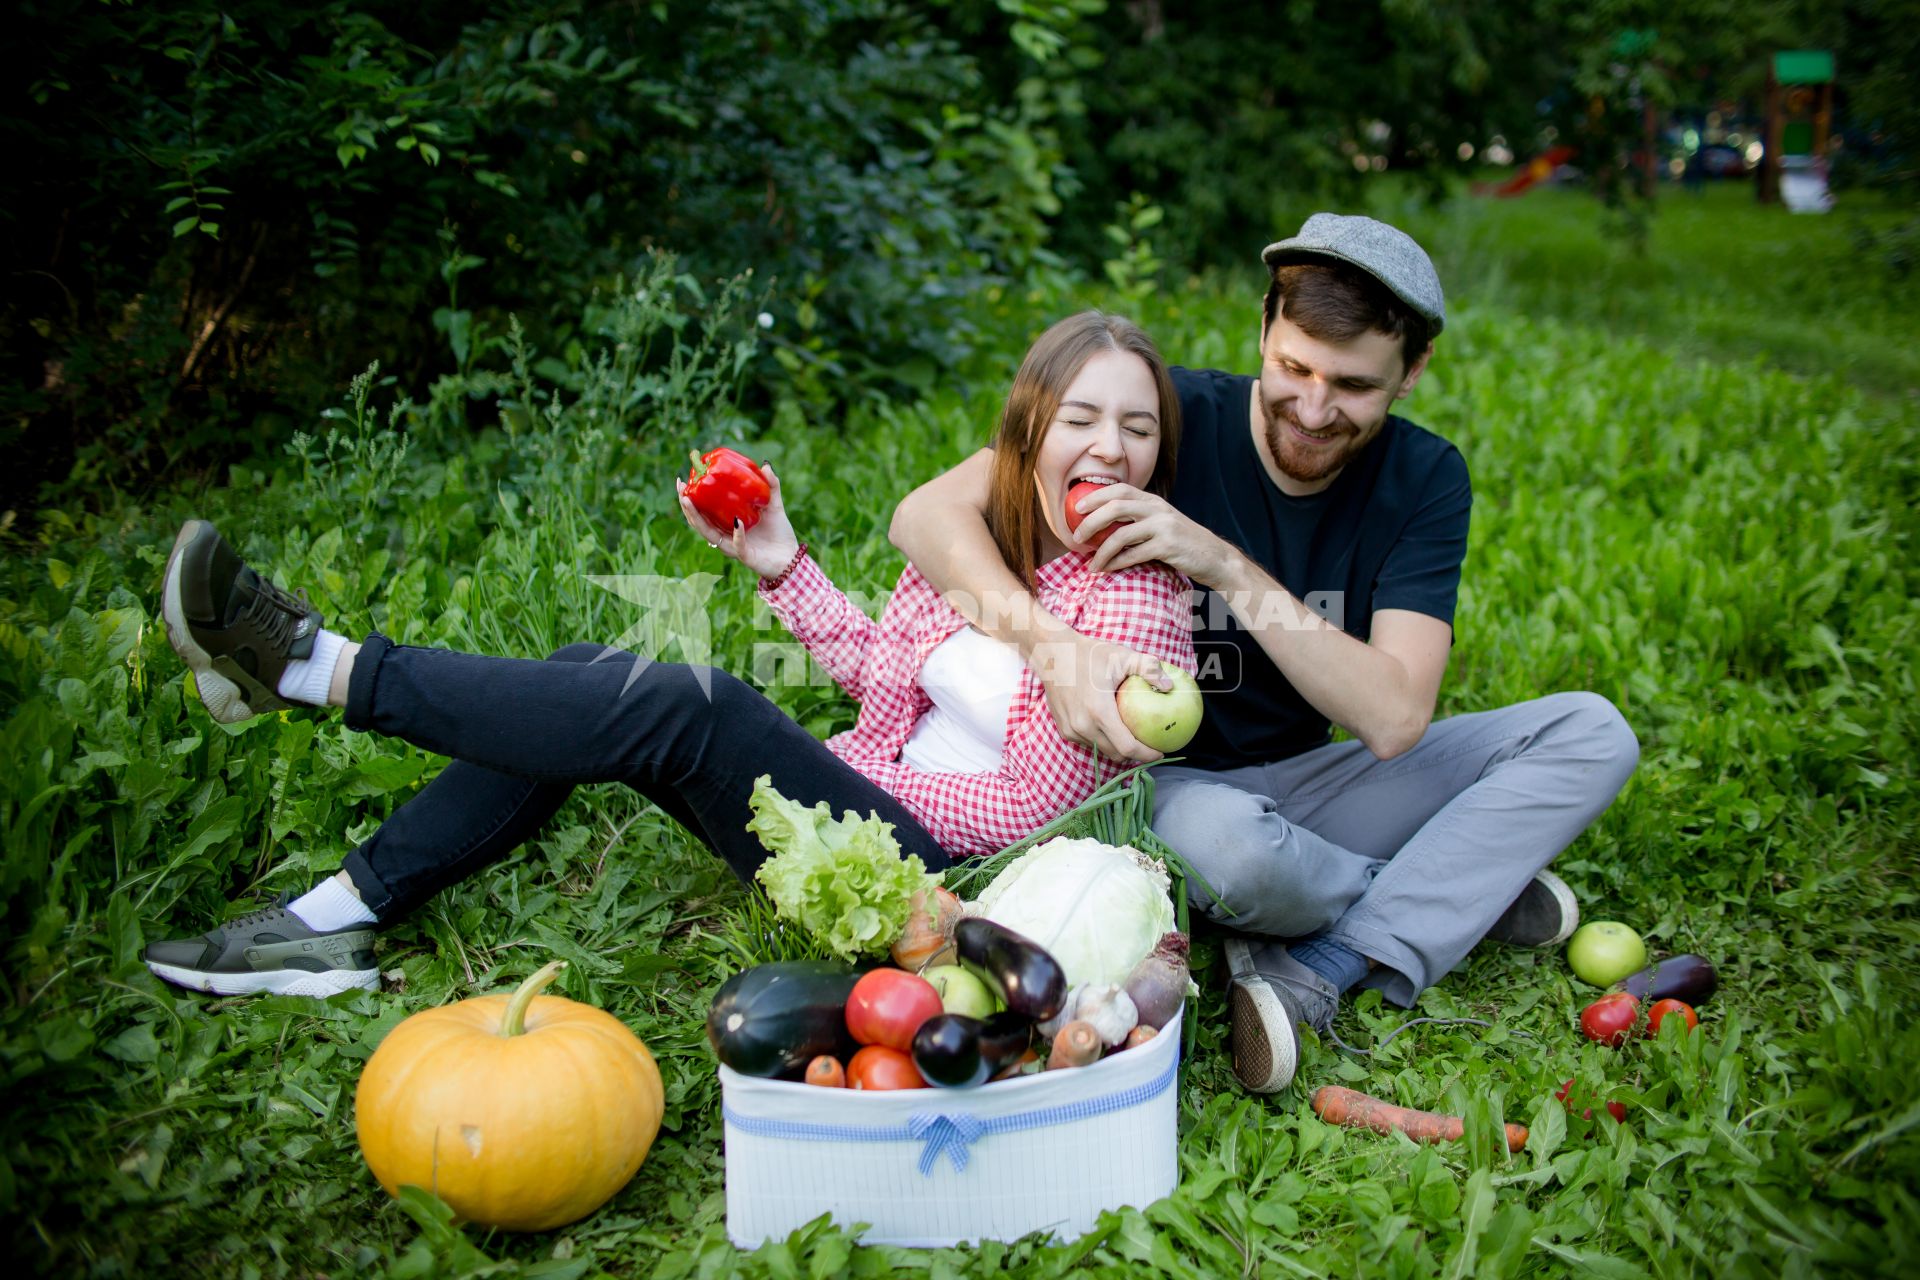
953	1132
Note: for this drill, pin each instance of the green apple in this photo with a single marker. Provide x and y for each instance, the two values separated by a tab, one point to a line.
960	991
1164	721
1604	952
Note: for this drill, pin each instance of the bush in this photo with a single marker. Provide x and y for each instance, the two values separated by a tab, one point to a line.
223	205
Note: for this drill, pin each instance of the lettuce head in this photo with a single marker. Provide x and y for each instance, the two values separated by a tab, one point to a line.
841	879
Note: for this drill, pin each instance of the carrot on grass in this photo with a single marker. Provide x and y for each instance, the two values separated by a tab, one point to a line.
1357	1110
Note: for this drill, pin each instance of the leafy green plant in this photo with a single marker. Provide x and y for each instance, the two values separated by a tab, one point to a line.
1720	546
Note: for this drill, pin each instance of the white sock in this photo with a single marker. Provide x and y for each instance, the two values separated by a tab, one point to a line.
308	679
330	905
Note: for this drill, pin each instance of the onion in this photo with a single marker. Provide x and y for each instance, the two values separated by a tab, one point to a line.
928	937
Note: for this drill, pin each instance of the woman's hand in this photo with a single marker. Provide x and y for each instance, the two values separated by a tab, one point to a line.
1079	676
767	548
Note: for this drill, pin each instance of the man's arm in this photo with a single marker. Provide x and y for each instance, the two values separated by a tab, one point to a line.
941	528
1382	691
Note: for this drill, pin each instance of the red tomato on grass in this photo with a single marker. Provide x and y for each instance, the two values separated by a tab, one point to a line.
1610	1019
878	1067
1618	1110
1663	1009
888	1005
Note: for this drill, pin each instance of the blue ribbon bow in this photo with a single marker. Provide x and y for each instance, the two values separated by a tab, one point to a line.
940	1132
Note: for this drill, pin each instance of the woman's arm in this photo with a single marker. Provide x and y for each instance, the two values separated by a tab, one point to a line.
840	637
1146	610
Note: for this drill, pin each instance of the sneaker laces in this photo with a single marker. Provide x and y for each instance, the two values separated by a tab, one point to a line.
275	613
278	907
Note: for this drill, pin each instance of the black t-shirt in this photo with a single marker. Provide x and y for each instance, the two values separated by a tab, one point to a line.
1388	533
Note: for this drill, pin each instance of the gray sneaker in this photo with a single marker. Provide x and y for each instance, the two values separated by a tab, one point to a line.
235	630
269	950
1270	994
1544	915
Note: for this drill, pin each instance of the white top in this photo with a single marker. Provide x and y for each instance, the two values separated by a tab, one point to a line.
971	678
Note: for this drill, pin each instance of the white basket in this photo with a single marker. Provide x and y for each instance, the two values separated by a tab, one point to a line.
928	1168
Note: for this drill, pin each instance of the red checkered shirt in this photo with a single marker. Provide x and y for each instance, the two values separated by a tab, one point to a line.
1041	774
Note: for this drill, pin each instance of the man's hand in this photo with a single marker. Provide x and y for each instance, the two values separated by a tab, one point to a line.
1154	531
1080	675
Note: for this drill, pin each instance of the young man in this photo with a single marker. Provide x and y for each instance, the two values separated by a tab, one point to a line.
1380	861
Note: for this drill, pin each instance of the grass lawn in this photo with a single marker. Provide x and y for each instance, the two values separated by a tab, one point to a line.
1721	545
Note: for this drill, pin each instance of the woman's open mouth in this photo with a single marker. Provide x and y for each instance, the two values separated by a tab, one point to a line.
1078	487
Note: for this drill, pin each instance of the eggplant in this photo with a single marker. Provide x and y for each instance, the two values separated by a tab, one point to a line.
773	1019
1028	981
957	1052
1685	977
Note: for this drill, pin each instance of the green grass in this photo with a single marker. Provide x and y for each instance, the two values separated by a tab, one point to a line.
1722	547
1720	276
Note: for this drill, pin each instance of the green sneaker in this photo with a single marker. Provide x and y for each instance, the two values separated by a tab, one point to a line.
235	630
269	950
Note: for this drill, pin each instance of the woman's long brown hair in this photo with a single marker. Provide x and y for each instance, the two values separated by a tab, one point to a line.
1051	365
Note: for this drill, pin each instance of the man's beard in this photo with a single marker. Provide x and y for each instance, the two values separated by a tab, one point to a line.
1310	466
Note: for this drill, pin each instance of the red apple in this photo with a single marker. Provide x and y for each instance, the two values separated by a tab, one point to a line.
1081	489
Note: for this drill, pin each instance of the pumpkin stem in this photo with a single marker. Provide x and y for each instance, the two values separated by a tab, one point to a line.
515	1023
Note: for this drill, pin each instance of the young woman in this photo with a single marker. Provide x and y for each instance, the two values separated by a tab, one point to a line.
953	745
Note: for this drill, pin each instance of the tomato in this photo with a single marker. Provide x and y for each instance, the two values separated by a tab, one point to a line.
1075	515
878	1067
726	486
1677	1008
888	1005
1610	1019
1618	1110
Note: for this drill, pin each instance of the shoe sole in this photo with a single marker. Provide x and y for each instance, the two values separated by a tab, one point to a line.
1569	907
220	693
285	982
1266	1049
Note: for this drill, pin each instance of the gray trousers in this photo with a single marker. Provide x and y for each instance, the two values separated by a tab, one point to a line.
1408	861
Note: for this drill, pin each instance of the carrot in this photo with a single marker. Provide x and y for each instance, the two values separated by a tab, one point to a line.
1074	1045
1357	1110
1138	1036
827	1072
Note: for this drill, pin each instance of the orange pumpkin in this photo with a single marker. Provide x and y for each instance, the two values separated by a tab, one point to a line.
524	1112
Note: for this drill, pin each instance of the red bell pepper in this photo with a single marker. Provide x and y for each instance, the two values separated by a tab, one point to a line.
726	486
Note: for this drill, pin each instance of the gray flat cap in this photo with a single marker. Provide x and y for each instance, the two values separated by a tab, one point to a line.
1386	253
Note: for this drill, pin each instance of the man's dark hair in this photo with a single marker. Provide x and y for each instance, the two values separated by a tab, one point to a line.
1335	302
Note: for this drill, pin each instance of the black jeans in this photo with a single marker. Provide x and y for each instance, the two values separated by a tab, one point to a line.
523	733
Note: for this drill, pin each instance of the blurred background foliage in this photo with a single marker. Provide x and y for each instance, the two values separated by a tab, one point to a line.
220	210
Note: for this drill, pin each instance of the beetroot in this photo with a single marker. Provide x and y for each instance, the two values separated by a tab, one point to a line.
1159	983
